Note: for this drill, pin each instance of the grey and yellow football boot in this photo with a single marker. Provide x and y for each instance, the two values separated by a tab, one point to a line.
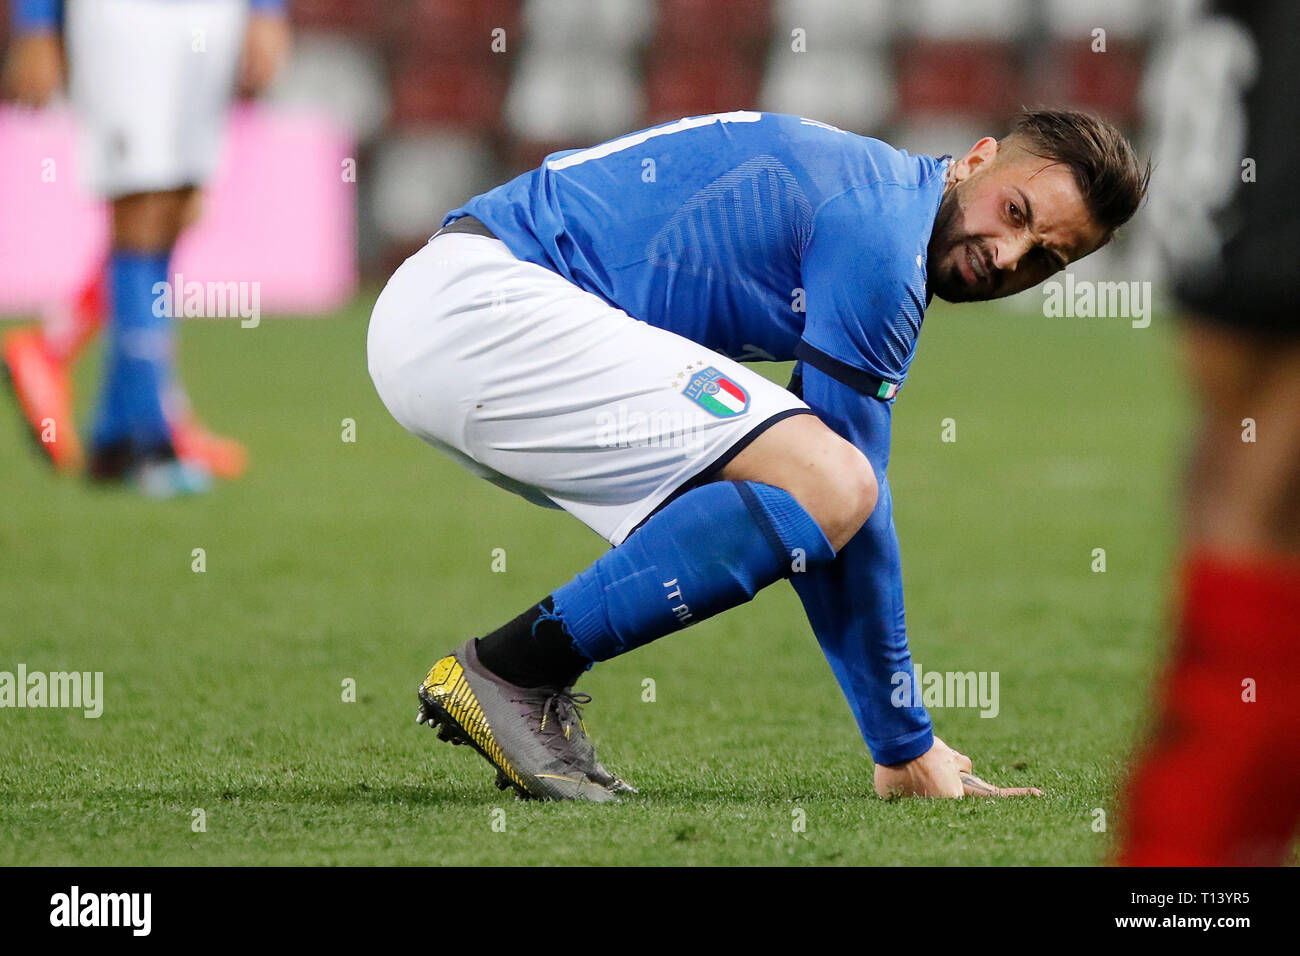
533	736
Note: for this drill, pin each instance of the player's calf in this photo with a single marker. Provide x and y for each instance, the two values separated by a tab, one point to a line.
713	548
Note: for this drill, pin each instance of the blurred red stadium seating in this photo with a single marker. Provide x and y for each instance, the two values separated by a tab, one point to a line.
451	30
701	27
431	91
977	78
719	82
362	20
1105	82
705	57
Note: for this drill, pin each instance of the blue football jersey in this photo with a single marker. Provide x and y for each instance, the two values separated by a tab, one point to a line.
759	235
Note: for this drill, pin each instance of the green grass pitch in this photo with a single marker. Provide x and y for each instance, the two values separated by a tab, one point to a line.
367	560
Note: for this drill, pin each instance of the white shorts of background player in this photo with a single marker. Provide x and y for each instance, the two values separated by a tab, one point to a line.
151	81
549	391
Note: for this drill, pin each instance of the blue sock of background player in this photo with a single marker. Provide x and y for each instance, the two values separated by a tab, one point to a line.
711	549
129	419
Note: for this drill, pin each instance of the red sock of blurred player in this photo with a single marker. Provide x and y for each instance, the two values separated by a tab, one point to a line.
1219	784
40	363
66	331
39	360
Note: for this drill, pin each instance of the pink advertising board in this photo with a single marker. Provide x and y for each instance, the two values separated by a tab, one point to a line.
281	211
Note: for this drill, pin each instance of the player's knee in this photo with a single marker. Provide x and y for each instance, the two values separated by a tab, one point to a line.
828	476
842	492
859	491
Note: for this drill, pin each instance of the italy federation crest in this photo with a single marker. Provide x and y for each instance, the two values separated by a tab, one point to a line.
716	394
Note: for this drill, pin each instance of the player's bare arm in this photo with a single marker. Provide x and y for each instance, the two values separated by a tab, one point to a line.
33	69
266	47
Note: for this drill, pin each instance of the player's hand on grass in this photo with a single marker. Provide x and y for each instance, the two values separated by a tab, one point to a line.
34	69
266	47
940	772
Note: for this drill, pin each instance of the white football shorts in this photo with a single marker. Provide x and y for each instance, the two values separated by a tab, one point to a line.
551	392
151	80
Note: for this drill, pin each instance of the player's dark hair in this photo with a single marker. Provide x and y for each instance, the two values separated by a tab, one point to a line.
1110	177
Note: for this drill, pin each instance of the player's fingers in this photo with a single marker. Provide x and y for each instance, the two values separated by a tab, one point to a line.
973	786
959	760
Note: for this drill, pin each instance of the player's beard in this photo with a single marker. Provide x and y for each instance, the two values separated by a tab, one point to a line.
947	236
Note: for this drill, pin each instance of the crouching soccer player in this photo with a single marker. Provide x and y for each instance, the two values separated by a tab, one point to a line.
587	289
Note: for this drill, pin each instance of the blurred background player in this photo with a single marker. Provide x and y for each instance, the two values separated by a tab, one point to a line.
1219	783
151	80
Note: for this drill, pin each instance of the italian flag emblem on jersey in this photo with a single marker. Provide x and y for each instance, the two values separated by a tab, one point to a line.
716	394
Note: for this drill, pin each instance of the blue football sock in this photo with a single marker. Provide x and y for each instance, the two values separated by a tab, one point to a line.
713	548
137	357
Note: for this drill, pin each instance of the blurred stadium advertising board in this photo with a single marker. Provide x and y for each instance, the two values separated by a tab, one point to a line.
281	212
